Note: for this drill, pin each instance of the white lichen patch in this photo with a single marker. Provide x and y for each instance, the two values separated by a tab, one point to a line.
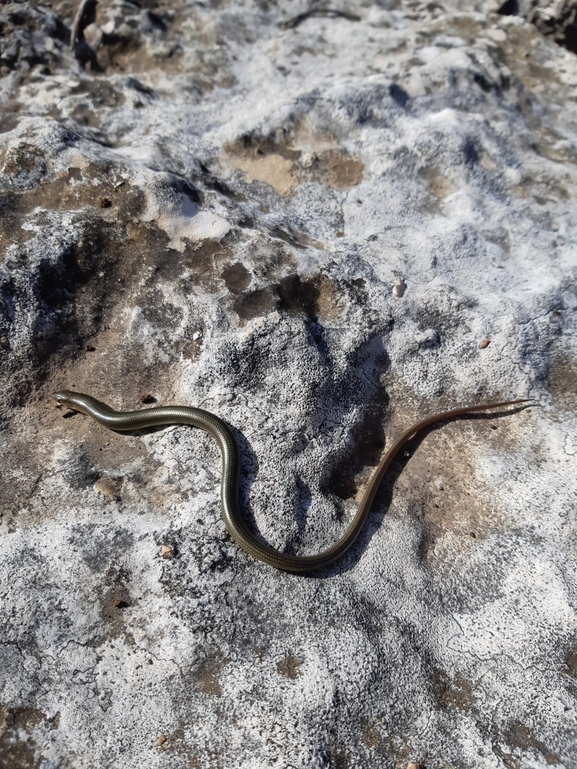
321	224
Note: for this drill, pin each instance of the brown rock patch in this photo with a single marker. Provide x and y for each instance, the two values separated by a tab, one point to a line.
207	677
292	155
289	666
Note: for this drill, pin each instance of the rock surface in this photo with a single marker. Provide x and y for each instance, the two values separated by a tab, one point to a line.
557	19
321	227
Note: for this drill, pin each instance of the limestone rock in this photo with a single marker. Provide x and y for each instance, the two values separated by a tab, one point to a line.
557	19
213	204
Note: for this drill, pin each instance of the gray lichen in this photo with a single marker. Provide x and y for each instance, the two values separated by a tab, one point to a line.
212	206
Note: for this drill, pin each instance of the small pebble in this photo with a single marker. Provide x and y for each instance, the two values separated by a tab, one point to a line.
117	603
4	342
89	347
483	343
105	203
108	487
161	740
166	551
147	398
399	287
412	765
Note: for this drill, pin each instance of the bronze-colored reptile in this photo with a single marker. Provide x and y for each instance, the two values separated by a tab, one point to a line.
221	432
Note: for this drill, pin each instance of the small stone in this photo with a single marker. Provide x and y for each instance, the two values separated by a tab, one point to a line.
399	287
89	347
4	342
483	343
108	487
413	765
117	603
147	398
105	202
161	740
166	551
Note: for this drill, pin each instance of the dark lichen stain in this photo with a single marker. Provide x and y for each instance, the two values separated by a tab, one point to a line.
296	295
204	259
207	677
114	599
289	666
176	742
562	376
99	545
157	311
398	94
371	736
15	752
455	693
77	470
342	482
571	662
236	277
252	304
369	441
315	296
272	260
100	94
338	756
394	747
517	735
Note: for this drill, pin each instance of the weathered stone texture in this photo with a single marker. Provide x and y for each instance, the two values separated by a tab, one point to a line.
320	226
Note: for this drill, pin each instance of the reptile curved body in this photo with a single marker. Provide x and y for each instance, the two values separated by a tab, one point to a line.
222	433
